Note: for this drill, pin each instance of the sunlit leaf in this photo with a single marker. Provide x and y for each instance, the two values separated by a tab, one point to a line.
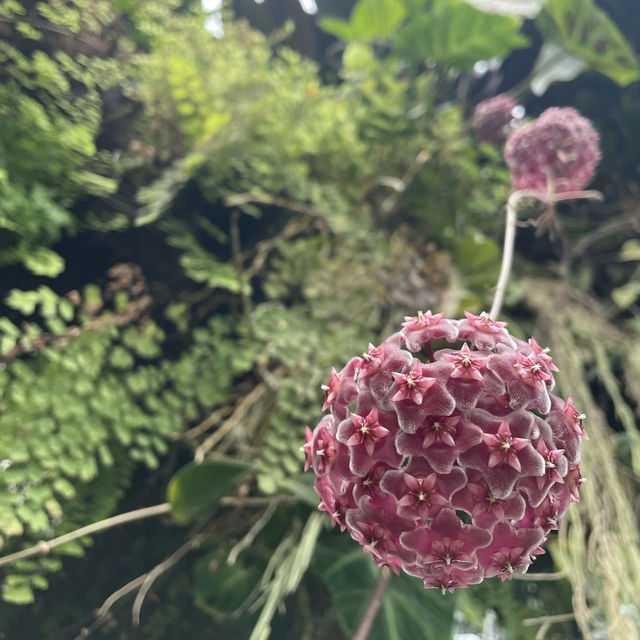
44	262
630	250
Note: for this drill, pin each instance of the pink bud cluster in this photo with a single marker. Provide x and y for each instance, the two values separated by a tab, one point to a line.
494	119
556	153
455	465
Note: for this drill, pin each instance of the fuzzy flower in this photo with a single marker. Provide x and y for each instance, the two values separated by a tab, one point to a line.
556	153
495	118
453	463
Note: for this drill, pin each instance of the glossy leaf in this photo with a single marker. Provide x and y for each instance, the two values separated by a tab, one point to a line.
197	488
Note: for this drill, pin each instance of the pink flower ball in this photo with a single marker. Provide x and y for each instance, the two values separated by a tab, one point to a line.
556	153
494	119
454	465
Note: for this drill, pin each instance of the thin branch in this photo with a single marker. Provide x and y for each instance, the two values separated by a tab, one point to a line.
611	227
274	201
400	186
250	536
102	614
206	424
44	546
236	249
256	501
561	617
257	397
541	577
371	612
157	571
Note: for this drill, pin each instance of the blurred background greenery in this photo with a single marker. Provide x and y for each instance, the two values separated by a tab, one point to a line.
197	223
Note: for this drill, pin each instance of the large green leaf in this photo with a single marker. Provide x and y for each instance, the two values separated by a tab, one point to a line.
408	610
586	31
369	20
455	34
196	488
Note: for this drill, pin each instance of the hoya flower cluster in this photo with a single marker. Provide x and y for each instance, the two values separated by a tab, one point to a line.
445	452
556	153
494	119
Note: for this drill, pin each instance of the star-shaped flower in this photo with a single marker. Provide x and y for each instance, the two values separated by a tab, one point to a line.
323	450
373	537
440	430
331	390
449	579
371	361
422	495
531	371
551	458
542	354
368	431
412	386
507	560
306	448
575	481
485	323
334	504
486	502
575	418
547	514
468	365
370	484
422	320
504	447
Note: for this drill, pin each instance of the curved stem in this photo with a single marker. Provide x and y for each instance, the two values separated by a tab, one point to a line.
371	612
507	254
510	233
44	546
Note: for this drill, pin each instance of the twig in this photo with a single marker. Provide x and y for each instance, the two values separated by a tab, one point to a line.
371	612
561	617
541	577
250	536
151	577
236	250
101	615
275	201
542	631
611	227
206	424
44	546
256	501
400	186
256	397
